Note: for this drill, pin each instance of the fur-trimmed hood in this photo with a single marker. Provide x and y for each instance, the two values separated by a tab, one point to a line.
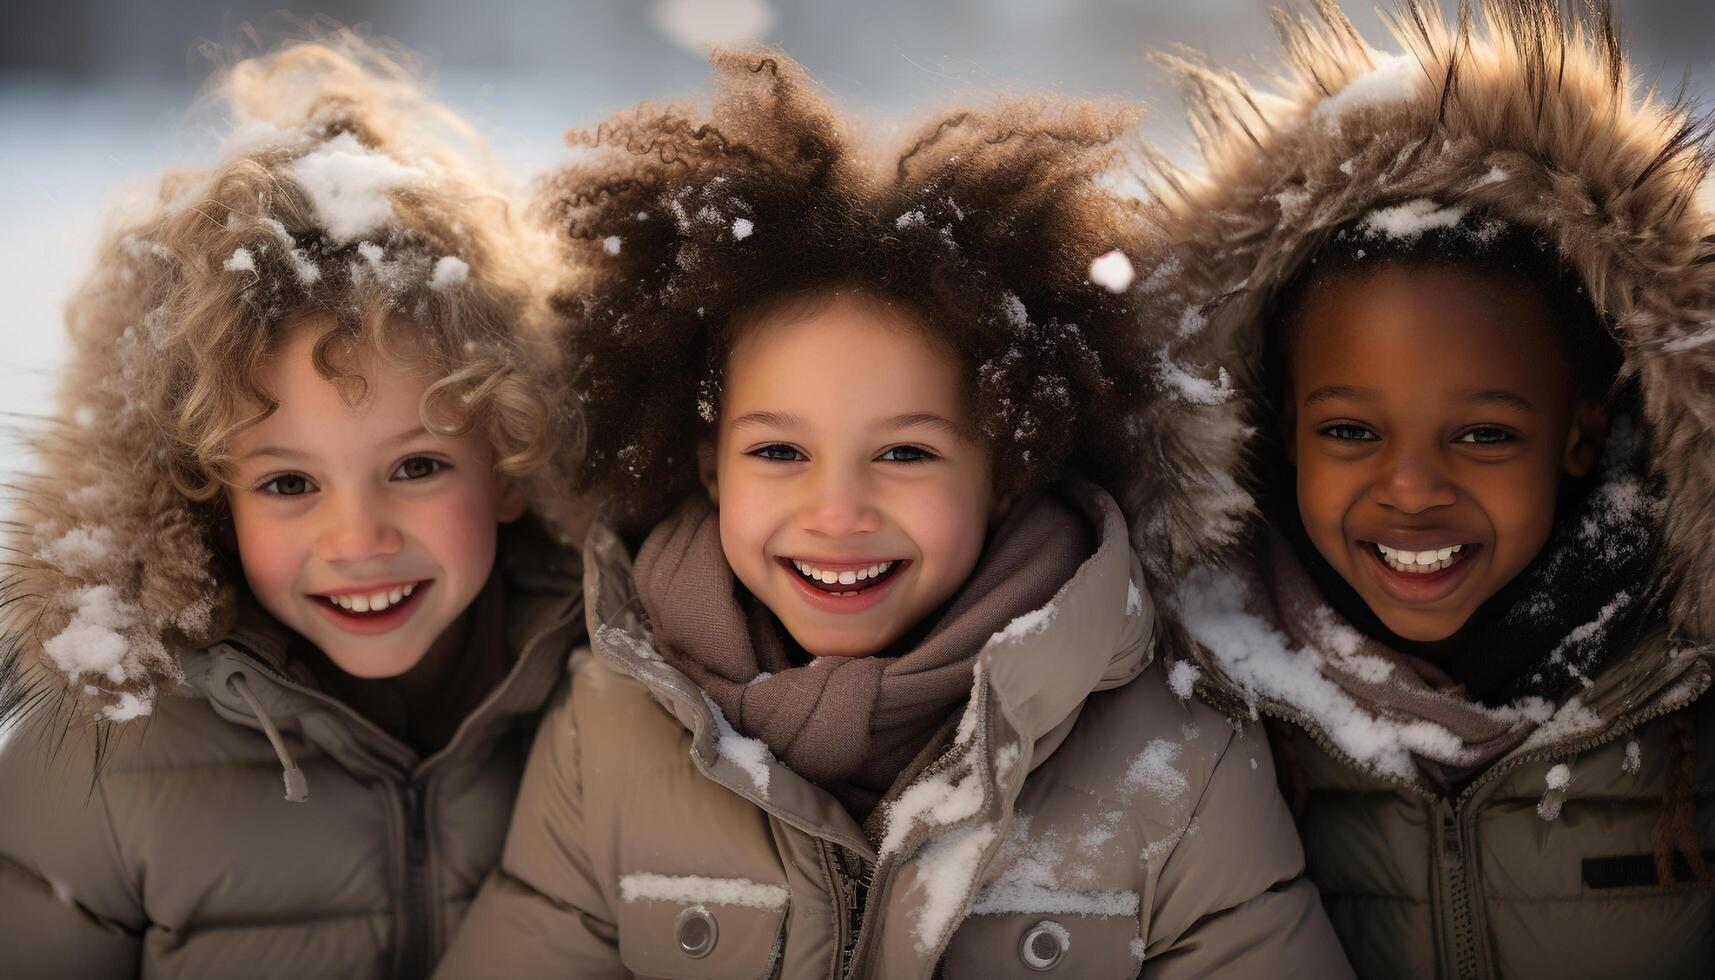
1513	108
328	198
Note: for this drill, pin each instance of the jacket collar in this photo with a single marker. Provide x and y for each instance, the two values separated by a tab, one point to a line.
248	678
1030	681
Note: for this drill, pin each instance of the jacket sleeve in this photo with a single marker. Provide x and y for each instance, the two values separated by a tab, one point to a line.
1232	899
68	905
540	913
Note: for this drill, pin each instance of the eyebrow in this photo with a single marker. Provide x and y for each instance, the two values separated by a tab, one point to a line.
1495	396
1471	396
928	419
280	452
783	420
1329	392
778	420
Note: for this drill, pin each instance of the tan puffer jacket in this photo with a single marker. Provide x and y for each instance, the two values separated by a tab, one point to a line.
1081	821
142	737
182	857
1539	120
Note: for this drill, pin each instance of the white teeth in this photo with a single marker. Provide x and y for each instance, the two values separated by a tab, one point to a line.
827	577
374	601
1418	562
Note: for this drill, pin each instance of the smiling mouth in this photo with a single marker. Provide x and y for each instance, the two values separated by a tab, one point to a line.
1425	562
847	579
372	603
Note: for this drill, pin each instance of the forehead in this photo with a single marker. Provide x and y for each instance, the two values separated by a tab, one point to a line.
846	355
1428	327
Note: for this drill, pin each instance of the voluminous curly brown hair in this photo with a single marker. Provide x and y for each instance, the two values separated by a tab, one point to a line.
685	224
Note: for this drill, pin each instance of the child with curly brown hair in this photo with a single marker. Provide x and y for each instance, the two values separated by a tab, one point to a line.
870	689
305	399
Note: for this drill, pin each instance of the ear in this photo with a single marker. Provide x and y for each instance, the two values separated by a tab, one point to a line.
1585	438
511	504
706	470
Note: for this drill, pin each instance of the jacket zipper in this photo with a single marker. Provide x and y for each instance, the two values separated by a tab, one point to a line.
1456	880
415	958
847	905
1461	920
414	953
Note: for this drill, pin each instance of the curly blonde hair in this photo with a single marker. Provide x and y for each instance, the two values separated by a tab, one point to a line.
432	269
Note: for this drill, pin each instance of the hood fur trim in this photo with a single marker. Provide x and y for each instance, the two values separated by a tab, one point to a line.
1516	107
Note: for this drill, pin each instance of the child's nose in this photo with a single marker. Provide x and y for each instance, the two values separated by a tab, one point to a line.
837	505
1413	481
358	529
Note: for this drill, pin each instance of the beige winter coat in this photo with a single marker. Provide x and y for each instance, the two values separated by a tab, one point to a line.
1538	121
1077	814
182	857
1477	884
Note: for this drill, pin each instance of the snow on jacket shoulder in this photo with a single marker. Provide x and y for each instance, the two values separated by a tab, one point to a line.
1081	819
1530	113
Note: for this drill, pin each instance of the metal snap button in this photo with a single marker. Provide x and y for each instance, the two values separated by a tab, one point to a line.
1044	945
696	932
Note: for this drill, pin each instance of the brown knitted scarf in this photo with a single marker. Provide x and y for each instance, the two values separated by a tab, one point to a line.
849	725
1392	684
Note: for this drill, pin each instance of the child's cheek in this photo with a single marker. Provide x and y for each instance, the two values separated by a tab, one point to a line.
272	556
460	530
948	522
750	515
1324	500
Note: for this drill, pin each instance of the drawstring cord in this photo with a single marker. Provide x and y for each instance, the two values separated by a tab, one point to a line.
297	788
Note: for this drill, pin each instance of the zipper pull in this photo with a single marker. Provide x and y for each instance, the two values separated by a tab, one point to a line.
415	818
1450	836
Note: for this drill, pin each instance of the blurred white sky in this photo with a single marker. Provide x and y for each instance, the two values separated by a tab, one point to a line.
94	94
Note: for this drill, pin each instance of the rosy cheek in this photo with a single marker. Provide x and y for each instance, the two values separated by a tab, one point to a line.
269	551
462	529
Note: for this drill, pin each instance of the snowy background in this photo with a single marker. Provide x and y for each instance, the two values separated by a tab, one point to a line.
97	95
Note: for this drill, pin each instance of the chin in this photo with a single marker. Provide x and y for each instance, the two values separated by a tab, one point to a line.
847	647
1423	629
371	667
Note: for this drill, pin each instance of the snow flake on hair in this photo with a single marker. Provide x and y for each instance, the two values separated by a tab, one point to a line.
350	186
1112	271
450	271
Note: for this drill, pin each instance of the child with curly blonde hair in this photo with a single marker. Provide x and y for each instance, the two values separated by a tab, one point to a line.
282	527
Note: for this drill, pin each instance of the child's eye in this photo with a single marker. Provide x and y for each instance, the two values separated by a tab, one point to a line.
1347	432
779	452
287	485
1485	435
417	468
906	454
